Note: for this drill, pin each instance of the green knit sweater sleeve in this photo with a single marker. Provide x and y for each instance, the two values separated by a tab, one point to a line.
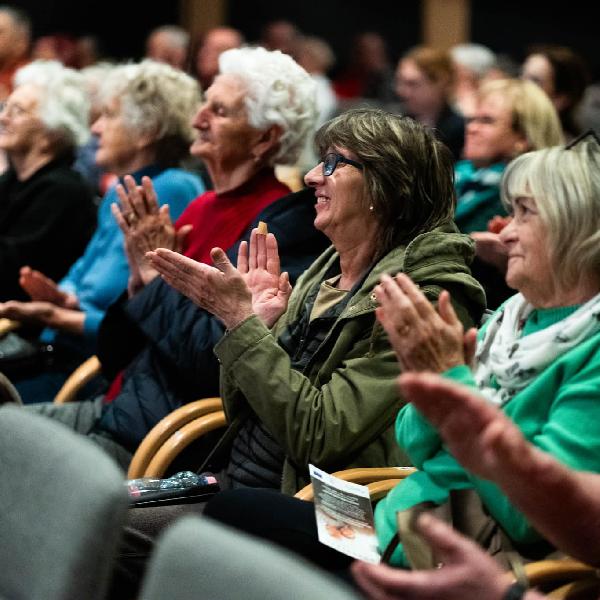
559	413
414	433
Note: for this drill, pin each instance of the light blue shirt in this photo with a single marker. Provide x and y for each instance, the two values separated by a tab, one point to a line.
100	276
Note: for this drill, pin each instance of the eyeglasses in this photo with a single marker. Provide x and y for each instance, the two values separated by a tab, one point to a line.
332	160
14	110
580	138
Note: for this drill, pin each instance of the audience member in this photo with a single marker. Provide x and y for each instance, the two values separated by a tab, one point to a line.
168	44
85	162
511	117
46	210
472	63
368	74
59	46
563	75
144	129
173	362
280	35
315	55
15	37
424	80
212	45
544	489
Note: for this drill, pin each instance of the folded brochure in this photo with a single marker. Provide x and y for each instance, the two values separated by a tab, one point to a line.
344	516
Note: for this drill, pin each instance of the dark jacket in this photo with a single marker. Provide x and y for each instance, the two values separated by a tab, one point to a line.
45	222
173	339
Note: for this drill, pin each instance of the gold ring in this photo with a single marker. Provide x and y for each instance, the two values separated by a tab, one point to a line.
131	220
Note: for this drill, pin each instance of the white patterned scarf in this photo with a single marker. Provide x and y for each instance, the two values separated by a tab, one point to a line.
514	361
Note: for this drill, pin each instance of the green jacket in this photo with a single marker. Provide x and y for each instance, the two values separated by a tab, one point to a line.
340	412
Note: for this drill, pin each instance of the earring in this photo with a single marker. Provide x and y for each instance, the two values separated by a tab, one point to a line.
371	207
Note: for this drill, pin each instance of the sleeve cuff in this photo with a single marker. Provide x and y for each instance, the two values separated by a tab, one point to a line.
237	340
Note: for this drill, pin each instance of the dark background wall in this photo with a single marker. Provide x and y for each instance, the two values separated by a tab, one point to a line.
507	26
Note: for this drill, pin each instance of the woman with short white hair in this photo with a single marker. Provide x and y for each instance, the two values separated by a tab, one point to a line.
144	129
46	210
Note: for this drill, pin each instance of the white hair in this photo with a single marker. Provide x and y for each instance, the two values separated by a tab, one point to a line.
279	92
475	57
64	104
157	100
177	36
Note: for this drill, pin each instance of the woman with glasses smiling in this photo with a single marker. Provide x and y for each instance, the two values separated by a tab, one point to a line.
310	374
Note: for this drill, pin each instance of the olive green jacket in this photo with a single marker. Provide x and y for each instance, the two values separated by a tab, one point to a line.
340	412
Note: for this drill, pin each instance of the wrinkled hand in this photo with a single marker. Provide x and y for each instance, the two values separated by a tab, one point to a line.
467	571
221	290
424	339
42	288
490	249
145	227
27	312
259	264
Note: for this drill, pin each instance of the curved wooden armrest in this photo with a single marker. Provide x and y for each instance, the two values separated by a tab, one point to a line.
8	325
181	439
379	489
565	569
165	428
364	476
582	589
83	374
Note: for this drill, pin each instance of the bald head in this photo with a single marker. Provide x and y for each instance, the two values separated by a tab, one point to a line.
168	44
215	42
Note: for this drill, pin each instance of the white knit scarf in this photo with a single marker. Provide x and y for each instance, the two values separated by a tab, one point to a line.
514	361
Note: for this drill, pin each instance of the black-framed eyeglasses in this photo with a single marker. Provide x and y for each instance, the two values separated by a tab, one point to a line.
332	160
580	138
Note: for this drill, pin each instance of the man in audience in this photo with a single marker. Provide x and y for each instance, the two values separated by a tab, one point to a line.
214	42
15	36
168	44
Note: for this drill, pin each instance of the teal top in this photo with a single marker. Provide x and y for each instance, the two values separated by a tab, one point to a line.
477	195
558	412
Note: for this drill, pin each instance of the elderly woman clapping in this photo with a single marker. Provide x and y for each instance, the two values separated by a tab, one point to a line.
537	357
144	129
43	201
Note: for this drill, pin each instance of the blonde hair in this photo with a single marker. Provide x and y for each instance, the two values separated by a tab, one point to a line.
565	184
533	114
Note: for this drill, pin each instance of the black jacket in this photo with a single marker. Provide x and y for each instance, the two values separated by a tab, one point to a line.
169	340
45	222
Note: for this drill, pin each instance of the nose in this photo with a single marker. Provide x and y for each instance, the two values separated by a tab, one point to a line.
315	176
508	233
96	127
200	120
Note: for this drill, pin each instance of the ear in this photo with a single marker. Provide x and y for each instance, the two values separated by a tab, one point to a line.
521	145
144	140
267	142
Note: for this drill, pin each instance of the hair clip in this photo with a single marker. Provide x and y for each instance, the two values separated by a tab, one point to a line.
582	137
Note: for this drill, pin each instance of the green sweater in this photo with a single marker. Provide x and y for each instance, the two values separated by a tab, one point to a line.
339	411
558	412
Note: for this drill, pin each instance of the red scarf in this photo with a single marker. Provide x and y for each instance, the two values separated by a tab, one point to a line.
219	220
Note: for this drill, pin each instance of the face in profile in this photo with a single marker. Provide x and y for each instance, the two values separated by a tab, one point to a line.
20	126
224	135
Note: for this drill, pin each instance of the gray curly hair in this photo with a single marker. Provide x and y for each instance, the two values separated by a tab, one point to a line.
156	100
279	92
64	104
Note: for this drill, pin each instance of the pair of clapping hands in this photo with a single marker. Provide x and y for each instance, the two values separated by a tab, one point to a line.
257	286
